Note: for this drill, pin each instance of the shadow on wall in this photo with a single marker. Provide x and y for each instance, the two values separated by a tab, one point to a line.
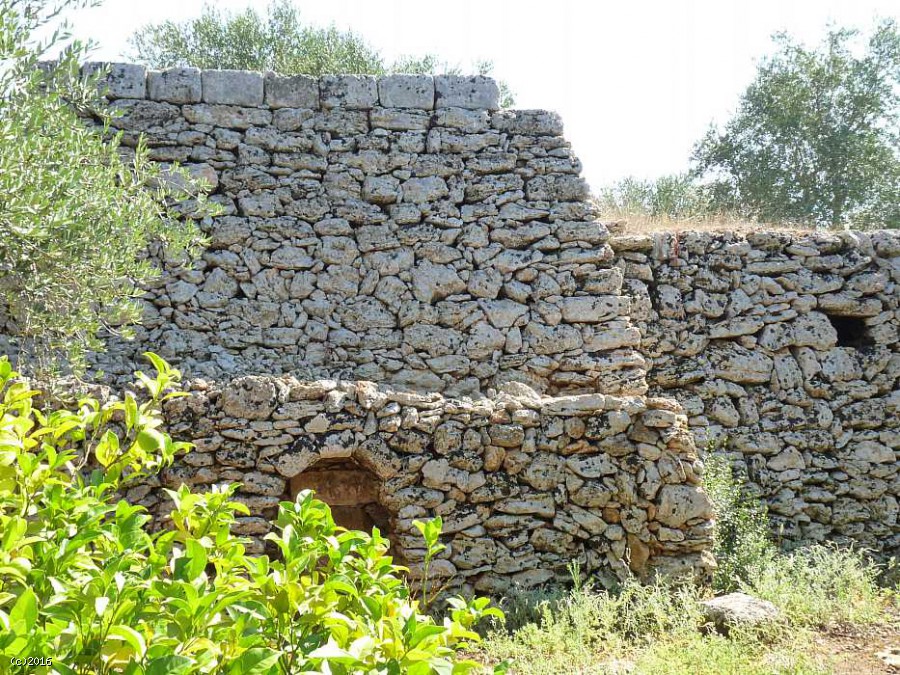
350	490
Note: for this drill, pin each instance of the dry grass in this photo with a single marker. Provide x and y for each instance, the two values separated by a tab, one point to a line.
631	223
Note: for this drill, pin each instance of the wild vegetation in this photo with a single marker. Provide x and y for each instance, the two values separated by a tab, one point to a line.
814	142
87	586
662	627
279	40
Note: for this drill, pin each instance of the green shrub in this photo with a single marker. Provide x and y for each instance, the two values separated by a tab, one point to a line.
734	655
575	631
78	209
671	197
813	586
84	582
818	585
742	540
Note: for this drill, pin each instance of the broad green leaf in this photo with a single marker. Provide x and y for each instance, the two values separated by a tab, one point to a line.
129	635
169	665
108	448
256	661
14	529
150	440
25	612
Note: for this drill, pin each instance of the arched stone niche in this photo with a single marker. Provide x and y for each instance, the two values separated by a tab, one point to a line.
352	491
351	478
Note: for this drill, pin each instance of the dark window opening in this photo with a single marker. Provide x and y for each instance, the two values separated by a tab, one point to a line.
852	331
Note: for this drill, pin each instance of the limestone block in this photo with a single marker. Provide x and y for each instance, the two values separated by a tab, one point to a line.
593	494
679	504
483	340
431	283
503	313
507	435
381	190
790	458
175	85
590	309
594	466
557	187
362	314
293	91
552	339
291	258
521	235
869	451
124	80
181	292
814	330
421	190
353	92
399	119
592	232
263	484
739	364
471	553
136	115
251	397
473	92
232	87
545	472
528	122
406	91
738	609
744	325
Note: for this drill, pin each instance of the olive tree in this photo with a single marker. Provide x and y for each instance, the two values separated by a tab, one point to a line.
77	211
816	138
276	40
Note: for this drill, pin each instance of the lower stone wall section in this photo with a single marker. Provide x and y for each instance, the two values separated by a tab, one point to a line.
525	484
784	350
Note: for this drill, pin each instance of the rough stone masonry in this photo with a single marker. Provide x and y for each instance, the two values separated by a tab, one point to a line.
410	305
784	349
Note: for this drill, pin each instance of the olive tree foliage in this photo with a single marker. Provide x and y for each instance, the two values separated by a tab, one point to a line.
669	197
276	40
816	138
77	211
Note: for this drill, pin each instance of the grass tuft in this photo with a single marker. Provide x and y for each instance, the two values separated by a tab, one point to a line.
659	627
820	585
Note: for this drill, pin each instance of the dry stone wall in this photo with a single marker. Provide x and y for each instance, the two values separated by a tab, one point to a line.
525	484
400	229
410	305
784	349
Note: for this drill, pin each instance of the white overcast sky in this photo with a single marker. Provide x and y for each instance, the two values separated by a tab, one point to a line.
637	82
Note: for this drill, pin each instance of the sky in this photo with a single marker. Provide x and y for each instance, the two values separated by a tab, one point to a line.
637	82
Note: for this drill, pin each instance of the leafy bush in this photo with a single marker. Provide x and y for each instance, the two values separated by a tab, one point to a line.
818	585
671	197
814	139
84	582
742	540
78	212
813	585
